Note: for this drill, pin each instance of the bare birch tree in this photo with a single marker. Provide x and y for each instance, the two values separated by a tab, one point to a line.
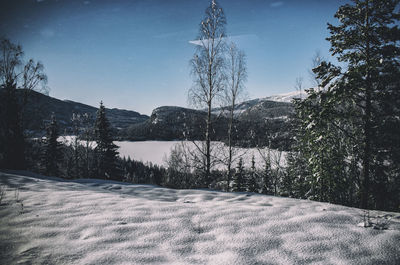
298	85
236	76
208	72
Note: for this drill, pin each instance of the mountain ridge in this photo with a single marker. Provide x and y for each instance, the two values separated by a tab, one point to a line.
258	122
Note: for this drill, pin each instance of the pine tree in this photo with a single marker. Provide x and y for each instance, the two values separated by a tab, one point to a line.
345	132
239	183
367	39
106	150
52	149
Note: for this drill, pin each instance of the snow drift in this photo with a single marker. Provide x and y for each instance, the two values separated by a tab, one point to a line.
54	221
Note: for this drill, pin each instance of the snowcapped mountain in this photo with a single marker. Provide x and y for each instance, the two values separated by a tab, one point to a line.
286	97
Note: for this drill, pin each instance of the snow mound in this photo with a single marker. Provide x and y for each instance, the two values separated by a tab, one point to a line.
54	221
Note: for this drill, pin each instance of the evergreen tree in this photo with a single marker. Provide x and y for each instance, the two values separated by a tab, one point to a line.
267	187
348	127
367	39
106	150
12	139
52	152
76	169
239	183
252	180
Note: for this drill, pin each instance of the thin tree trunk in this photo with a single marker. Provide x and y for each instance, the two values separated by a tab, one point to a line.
208	147
367	122
230	145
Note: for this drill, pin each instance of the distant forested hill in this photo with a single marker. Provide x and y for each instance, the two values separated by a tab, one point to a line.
258	122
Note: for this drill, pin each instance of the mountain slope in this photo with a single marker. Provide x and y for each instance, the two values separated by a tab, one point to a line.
173	123
287	97
258	122
55	221
40	107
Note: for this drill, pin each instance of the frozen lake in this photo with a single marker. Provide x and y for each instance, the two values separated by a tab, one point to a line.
156	152
146	151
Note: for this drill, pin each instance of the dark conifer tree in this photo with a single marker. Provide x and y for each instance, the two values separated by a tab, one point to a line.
349	127
106	150
267	187
12	137
52	152
252	179
239	183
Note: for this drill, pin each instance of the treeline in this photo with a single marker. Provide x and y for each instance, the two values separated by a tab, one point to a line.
348	128
90	153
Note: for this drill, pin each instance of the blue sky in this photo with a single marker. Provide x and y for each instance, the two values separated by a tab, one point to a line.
135	54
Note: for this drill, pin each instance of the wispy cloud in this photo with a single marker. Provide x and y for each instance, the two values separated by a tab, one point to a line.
234	38
276	4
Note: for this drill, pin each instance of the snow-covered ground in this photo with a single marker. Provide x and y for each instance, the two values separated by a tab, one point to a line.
53	221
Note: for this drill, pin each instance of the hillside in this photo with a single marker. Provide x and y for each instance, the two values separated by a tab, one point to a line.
54	221
258	122
40	107
173	123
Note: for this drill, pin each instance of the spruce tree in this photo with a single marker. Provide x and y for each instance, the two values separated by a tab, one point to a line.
252	179
106	150
267	187
348	126
239	183
52	149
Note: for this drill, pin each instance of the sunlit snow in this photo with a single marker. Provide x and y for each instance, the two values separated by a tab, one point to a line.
54	221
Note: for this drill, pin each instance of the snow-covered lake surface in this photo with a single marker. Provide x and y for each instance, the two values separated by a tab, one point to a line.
54	221
157	151
146	151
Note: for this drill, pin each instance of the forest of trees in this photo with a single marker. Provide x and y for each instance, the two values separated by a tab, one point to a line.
347	129
346	148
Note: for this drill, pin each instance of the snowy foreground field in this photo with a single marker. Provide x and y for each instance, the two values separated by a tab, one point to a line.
54	221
